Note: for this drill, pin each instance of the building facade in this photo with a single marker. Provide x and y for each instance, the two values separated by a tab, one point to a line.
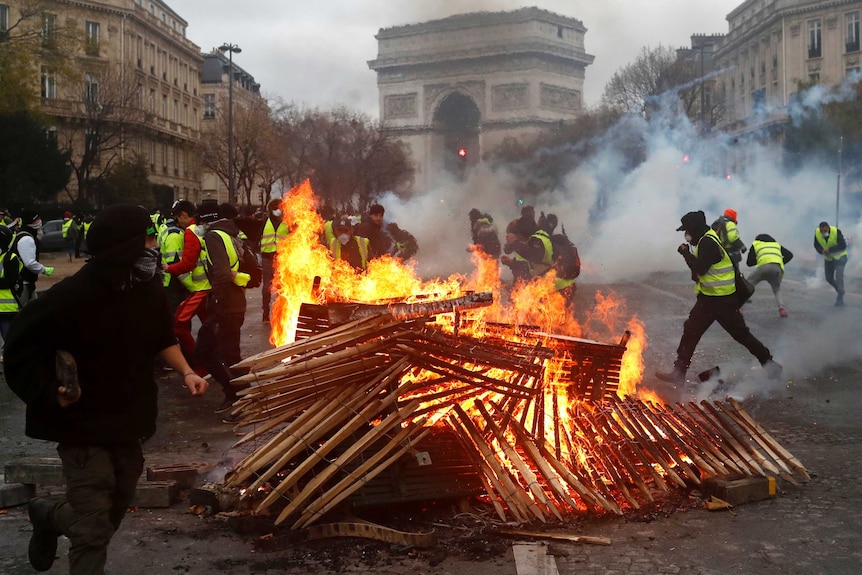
216	94
129	69
776	47
453	89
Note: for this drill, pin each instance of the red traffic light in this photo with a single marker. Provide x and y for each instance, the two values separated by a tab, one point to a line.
462	152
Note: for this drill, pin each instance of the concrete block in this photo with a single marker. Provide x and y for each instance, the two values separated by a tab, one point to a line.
35	471
12	494
739	489
155	494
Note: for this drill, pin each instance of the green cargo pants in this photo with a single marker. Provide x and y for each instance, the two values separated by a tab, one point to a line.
100	485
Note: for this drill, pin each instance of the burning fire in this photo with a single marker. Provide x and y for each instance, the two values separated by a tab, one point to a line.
302	258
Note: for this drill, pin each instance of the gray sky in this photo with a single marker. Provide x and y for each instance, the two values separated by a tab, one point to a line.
316	54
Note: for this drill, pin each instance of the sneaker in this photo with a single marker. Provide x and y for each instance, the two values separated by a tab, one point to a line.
230	418
782	312
677	376
773	369
43	542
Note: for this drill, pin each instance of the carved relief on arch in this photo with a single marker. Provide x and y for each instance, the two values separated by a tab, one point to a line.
435	94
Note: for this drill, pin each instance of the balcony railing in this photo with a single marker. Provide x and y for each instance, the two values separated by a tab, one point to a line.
814	53
851	46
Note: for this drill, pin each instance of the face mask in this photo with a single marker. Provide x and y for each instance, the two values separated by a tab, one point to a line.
146	266
37	225
825	235
344	238
276	213
688	238
39	234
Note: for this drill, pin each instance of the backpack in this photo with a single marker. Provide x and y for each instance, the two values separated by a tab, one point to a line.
566	259
249	263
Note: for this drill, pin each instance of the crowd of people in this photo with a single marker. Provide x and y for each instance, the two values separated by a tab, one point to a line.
148	276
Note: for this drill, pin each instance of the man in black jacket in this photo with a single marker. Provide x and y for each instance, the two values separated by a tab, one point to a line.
112	317
218	344
714	274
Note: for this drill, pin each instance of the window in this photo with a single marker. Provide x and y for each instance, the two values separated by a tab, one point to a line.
91	142
4	20
49	27
176	116
852	39
164	106
91	91
49	83
814	31
91	38
209	106
51	136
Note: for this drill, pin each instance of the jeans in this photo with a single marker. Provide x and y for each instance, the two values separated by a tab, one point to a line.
835	273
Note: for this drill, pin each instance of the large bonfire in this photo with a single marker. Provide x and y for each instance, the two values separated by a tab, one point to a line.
552	423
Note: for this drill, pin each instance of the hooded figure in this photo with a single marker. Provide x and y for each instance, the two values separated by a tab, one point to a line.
27	244
112	319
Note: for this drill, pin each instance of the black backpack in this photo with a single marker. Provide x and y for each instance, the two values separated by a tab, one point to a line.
249	263
566	259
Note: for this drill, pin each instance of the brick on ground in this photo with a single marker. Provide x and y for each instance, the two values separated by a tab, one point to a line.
739	489
35	471
149	494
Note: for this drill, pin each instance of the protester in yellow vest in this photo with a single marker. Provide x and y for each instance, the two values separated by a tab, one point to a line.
769	256
714	276
274	231
10	274
829	242
347	246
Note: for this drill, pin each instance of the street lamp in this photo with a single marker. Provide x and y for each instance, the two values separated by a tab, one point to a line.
231	187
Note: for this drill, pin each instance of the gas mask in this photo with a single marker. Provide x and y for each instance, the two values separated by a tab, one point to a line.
276	213
343	239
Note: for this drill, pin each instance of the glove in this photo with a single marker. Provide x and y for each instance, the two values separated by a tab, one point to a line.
683	248
508	248
743	249
48	270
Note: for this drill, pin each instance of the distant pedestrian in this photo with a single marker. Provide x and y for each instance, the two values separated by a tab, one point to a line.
714	274
405	245
829	242
769	256
275	230
347	246
70	234
112	318
379	240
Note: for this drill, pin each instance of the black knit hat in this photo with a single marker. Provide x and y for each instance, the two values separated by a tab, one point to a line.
117	225
692	221
28	216
208	211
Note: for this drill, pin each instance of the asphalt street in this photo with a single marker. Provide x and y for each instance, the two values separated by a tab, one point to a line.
813	411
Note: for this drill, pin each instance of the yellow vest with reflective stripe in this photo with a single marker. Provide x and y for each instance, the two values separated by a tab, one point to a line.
830	243
197	279
328	233
86	226
66	225
768	253
8	301
540	268
271	236
363	243
230	248
720	278
170	247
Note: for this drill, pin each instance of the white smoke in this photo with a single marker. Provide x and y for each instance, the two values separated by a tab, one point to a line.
624	220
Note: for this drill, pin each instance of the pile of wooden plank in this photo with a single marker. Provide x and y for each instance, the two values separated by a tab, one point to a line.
329	413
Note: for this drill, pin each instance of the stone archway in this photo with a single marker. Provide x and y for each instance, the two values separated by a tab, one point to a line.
455	124
472	80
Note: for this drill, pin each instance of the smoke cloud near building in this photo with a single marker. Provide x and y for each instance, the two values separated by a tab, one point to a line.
624	220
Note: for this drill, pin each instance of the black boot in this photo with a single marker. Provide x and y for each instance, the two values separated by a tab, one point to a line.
43	542
676	377
839	301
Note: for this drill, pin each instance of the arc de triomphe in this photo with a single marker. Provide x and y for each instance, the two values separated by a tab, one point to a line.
454	88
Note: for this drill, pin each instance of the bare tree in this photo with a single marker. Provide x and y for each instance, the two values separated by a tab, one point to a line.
660	78
107	114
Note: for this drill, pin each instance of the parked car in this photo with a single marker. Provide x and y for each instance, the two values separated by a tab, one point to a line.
52	236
